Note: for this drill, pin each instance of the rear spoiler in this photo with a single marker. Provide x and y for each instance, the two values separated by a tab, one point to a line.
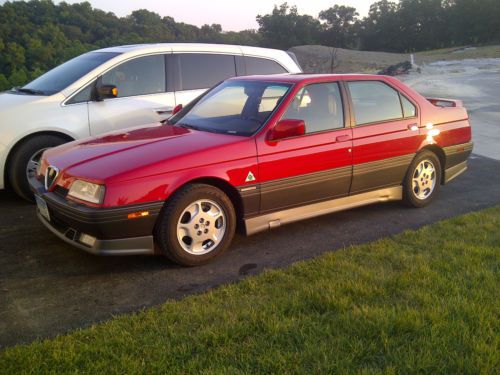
439	102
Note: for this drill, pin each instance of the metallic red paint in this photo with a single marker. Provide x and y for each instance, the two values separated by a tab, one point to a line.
149	163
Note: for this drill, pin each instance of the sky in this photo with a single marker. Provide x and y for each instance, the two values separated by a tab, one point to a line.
233	15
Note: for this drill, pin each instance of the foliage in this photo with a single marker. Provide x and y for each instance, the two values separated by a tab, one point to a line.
37	35
423	301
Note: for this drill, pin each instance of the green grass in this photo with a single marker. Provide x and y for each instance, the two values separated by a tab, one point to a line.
422	301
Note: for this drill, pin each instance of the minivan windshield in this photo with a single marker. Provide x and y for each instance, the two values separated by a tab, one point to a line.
235	107
65	74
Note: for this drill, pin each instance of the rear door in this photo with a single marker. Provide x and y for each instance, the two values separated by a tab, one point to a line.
142	95
385	135
312	167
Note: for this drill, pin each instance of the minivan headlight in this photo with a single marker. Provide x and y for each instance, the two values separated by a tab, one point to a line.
87	191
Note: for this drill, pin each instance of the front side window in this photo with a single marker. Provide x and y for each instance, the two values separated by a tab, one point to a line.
256	65
374	101
140	76
319	106
64	75
234	107
201	71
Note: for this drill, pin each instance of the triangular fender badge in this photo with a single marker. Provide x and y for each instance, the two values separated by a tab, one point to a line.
250	177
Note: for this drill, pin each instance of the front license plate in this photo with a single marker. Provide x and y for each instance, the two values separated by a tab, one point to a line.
42	207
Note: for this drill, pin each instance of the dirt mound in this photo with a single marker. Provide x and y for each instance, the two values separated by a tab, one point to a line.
321	59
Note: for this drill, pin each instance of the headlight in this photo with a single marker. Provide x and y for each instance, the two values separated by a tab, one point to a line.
87	191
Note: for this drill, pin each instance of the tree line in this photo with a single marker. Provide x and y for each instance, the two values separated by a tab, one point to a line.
37	35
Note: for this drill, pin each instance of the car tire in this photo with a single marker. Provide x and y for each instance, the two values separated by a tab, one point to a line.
423	179
24	157
196	224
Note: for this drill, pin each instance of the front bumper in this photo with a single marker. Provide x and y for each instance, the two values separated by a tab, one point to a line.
114	233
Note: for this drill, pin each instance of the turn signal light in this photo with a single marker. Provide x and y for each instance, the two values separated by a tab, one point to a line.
136	215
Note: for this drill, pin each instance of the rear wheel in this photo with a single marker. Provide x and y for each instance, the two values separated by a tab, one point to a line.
196	224
25	159
422	180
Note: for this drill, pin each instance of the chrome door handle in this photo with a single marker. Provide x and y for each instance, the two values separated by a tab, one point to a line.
413	127
164	110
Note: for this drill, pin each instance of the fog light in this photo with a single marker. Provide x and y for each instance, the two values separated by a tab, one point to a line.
87	239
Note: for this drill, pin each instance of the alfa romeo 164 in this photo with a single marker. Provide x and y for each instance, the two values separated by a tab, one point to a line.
252	153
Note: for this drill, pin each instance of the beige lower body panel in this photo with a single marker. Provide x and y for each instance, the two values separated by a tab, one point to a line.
457	170
275	219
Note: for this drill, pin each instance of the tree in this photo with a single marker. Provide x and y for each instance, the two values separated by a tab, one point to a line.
339	26
284	28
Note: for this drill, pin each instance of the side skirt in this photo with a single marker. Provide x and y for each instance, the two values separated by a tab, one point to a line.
452	172
275	219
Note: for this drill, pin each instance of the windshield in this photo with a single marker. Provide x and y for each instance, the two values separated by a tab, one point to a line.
64	75
235	107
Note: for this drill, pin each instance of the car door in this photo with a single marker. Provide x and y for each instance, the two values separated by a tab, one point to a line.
313	167
385	134
142	95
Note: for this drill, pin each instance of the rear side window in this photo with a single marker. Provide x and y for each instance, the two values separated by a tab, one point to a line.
256	65
409	109
140	76
374	101
201	71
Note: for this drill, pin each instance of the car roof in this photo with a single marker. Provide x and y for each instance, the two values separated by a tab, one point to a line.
185	47
311	78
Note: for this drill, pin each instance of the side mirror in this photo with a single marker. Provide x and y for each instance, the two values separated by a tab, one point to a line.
287	129
106	92
176	109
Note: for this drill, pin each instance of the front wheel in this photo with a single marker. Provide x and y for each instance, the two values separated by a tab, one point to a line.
25	159
422	180
196	224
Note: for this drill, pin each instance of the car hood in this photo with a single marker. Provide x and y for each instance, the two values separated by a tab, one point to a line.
145	151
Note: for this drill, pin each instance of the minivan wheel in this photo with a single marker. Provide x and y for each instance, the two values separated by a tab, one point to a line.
25	159
196	224
422	180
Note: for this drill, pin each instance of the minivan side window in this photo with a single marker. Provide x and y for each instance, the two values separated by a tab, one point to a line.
203	70
256	65
140	76
374	101
83	96
319	105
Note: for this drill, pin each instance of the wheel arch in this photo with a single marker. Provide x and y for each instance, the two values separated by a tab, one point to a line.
20	141
228	189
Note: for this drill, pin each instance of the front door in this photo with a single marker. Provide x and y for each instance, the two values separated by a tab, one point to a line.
142	97
315	166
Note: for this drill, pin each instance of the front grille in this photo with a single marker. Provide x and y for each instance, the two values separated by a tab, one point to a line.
59	190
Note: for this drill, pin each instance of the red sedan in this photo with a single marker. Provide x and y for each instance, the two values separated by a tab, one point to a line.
252	153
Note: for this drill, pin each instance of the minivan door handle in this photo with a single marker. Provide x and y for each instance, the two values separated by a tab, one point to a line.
343	138
164	110
413	127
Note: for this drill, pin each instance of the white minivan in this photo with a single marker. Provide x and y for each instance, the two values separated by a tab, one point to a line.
114	88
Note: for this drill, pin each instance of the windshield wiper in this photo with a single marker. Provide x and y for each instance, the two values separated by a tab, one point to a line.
29	91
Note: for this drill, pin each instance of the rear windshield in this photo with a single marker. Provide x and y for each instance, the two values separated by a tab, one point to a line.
64	75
